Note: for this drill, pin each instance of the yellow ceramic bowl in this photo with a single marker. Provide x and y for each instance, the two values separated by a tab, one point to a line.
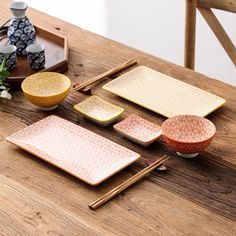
46	89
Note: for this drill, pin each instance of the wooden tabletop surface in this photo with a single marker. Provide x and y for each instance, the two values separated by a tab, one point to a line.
193	197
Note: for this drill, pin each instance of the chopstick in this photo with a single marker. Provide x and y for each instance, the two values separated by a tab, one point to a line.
7	21
2	26
103	75
106	197
3	37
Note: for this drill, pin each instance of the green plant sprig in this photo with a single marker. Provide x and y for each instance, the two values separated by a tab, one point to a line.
4	87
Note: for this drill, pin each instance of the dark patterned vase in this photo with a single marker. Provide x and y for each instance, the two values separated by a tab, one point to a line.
21	32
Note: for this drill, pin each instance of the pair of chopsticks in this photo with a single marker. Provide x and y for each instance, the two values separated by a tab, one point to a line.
97	78
106	197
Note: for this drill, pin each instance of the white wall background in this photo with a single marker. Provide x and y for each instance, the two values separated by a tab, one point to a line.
153	26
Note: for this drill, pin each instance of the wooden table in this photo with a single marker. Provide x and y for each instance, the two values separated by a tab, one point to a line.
194	197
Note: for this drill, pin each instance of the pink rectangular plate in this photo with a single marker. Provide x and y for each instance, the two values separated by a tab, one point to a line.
74	149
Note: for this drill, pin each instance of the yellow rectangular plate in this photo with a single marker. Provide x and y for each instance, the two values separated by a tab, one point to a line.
163	94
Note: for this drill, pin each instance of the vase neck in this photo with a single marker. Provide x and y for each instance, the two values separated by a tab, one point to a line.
18	9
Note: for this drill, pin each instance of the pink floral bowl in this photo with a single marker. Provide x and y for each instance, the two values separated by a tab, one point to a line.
188	134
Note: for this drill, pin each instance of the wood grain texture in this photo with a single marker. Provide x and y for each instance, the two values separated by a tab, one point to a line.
219	32
225	5
190	33
193	197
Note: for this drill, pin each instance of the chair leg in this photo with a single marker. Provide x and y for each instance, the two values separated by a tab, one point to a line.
190	33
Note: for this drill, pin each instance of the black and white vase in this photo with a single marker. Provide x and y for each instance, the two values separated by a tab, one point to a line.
21	32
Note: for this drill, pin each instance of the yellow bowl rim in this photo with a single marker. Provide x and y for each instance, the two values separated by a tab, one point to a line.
46	96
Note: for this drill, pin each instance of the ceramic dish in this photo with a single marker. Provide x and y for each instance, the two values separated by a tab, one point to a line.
46	89
98	110
74	149
163	94
138	130
187	134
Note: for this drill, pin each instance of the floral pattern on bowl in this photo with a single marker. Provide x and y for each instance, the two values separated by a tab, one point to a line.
138	130
99	110
188	134
46	89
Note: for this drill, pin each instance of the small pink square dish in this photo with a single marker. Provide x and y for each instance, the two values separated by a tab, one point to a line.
138	130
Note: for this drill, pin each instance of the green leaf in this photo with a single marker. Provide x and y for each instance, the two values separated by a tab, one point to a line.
3	64
4	73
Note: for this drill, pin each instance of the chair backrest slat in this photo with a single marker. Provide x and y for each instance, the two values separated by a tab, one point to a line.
204	6
225	5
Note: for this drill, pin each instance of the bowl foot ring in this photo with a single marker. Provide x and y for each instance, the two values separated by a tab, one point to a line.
187	155
48	108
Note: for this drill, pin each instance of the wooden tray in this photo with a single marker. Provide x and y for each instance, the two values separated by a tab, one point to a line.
56	52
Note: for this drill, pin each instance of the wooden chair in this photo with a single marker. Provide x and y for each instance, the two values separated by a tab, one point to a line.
204	6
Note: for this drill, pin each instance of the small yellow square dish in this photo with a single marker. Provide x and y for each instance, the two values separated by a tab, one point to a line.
98	110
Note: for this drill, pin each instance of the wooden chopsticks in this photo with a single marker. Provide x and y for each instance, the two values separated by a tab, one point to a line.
103	75
7	21
2	29
106	197
3	37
